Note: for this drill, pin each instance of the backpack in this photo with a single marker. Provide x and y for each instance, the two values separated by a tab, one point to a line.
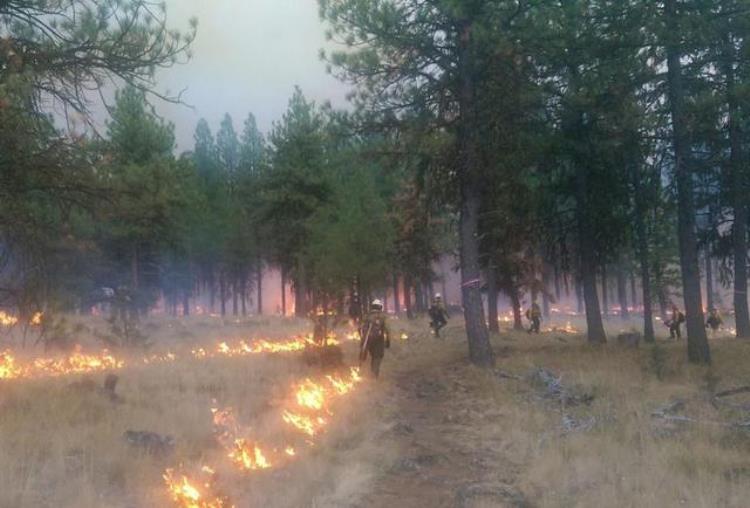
376	327
680	317
434	313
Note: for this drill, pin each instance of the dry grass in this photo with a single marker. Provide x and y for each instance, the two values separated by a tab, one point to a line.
62	447
500	435
630	458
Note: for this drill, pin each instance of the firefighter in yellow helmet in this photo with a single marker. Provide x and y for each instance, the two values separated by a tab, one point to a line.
374	336
438	314
534	315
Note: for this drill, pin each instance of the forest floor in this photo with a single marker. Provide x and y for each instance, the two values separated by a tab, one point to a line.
599	426
557	423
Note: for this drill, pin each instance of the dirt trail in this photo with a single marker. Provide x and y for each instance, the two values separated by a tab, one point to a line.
449	435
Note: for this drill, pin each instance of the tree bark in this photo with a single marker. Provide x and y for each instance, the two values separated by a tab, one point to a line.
545	290
396	297
739	202
299	297
243	295
444	287
605	292
235	299
419	297
643	254
259	285
661	293
698	349
594	324
223	294
622	292
211	290
494	325
515	302
709	281
134	268
407	296
283	292
480	350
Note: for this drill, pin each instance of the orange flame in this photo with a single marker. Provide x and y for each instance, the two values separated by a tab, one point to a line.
248	456
76	363
310	395
186	494
8	367
306	424
7	319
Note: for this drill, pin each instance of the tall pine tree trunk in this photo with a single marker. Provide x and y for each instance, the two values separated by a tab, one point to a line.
587	252
492	300
243	295
739	200
211	290
605	292
259	285
299	298
622	292
235	299
698	349
396	298
545	290
444	287
407	296
579	294
515	302
283	292
134	268
480	350
185	303
419	297
594	324
709	281
223	294
643	254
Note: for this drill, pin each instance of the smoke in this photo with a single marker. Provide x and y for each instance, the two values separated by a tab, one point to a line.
248	56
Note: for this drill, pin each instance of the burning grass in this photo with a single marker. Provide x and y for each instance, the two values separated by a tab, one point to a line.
433	430
79	362
61	443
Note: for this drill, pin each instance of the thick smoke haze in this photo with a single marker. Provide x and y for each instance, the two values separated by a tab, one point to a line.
248	56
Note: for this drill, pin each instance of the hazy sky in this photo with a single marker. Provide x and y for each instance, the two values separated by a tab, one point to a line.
247	57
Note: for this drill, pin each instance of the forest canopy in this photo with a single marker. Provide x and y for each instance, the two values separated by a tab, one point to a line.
582	148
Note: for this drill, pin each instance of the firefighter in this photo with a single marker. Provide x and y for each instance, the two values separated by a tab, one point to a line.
534	315
438	314
374	337
320	326
714	320
675	322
